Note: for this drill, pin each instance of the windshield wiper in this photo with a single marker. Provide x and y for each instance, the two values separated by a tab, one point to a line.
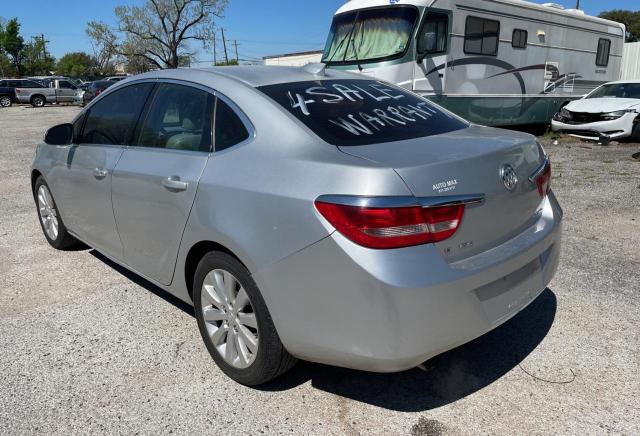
347	37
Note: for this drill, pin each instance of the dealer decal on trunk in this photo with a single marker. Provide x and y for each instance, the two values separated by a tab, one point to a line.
446	186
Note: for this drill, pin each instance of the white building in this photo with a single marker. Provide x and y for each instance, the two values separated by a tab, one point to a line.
298	59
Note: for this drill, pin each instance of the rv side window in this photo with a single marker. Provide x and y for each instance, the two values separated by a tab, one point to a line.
481	36
604	48
433	37
519	39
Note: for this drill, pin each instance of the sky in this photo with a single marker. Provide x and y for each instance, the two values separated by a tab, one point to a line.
260	27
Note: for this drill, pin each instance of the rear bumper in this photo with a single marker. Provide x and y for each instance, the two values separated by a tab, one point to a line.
614	129
389	310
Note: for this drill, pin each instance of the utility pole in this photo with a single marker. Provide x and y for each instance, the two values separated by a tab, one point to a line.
215	57
577	4
44	46
235	42
224	43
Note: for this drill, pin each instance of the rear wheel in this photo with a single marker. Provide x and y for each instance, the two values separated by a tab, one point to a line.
52	226
235	323
38	101
5	101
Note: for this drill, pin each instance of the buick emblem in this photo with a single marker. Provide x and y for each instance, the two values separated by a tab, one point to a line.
509	177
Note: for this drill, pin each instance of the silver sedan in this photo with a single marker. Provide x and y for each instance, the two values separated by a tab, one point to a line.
305	213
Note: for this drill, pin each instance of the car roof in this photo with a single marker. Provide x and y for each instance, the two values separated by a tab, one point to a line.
623	81
257	75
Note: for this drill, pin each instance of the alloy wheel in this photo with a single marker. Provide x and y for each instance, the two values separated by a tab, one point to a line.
48	213
5	101
229	318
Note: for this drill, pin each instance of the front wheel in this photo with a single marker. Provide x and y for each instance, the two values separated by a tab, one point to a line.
5	101
52	226
38	101
235	323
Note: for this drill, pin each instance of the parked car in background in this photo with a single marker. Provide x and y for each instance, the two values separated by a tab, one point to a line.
305	213
60	91
609	112
7	95
94	89
21	83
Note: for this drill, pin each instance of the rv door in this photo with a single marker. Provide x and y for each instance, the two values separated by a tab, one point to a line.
432	46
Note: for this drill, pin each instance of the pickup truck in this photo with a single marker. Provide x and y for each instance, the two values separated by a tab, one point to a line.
59	91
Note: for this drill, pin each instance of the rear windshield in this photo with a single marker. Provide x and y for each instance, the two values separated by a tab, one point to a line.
359	112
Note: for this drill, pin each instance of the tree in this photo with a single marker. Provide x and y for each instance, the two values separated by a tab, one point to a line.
105	46
36	61
160	30
631	19
75	64
13	44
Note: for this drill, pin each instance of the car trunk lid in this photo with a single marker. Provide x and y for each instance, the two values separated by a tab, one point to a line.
469	162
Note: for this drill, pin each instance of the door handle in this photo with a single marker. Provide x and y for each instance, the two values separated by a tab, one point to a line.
100	173
173	183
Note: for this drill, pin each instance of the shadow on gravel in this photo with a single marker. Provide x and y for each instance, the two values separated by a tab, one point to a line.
449	376
145	283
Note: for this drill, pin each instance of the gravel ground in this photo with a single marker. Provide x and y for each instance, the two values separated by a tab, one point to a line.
89	348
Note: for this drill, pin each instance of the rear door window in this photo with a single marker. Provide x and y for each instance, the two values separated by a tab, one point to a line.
113	119
180	118
359	112
230	130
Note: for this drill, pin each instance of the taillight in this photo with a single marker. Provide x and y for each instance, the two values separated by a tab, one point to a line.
98	91
542	178
393	227
18	91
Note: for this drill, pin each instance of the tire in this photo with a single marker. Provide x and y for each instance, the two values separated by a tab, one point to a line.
269	359
5	101
38	101
50	220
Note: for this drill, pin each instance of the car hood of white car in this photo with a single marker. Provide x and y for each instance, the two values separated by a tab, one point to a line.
602	105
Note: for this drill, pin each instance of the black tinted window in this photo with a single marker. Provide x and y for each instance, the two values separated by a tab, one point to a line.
604	48
113	119
180	118
434	34
519	39
66	85
359	112
229	128
481	36
31	84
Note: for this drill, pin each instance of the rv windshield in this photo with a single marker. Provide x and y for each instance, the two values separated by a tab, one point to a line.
370	34
617	90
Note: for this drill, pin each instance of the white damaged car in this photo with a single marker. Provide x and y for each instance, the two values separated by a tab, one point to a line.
611	111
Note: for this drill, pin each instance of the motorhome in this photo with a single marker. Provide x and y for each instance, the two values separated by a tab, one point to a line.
493	62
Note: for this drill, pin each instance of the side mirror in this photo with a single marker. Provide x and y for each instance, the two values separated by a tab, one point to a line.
61	134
